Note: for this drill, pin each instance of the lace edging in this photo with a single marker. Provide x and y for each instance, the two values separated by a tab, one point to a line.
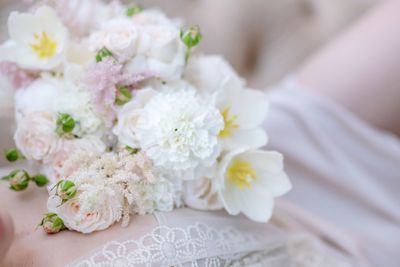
173	246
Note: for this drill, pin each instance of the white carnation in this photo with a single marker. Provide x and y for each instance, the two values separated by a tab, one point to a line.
178	130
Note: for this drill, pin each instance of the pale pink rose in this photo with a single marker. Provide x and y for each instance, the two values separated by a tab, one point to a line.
95	207
56	169
36	136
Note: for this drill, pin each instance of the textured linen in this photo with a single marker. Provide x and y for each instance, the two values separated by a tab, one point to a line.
345	174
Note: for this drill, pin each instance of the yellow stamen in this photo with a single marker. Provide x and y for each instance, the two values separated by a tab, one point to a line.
45	47
241	173
229	124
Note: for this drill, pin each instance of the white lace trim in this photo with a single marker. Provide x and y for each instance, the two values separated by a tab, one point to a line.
197	245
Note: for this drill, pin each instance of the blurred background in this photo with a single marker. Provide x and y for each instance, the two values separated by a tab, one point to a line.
263	39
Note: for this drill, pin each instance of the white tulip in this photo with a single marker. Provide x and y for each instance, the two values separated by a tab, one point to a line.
249	182
37	41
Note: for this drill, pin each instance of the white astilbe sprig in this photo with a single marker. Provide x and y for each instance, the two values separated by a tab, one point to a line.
109	187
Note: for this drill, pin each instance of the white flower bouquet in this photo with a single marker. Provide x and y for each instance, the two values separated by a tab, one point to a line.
120	117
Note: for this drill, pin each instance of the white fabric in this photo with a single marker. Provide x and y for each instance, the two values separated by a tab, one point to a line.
345	173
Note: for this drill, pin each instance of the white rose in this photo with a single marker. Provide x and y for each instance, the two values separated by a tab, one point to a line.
41	95
82	17
95	207
160	52
211	73
201	194
36	136
118	35
58	96
129	115
154	17
77	103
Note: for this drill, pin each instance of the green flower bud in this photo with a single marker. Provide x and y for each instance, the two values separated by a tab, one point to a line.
52	224
12	155
66	190
40	180
123	95
18	179
65	123
133	10
103	53
190	38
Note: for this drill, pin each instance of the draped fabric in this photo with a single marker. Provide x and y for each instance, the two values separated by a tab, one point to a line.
345	173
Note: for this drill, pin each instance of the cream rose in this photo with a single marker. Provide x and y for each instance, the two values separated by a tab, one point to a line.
36	137
95	207
160	50
82	17
201	194
209	74
118	35
129	115
56	169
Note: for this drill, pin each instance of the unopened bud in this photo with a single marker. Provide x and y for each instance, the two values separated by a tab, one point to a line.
191	37
66	190
65	124
52	224
133	10
18	179
123	96
12	155
40	180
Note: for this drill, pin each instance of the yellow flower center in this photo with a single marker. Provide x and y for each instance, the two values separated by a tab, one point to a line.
45	47
241	173
229	123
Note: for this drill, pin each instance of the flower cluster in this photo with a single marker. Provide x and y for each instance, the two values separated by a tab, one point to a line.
124	117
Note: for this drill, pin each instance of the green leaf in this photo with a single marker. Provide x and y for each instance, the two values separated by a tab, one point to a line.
132	150
133	10
103	53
